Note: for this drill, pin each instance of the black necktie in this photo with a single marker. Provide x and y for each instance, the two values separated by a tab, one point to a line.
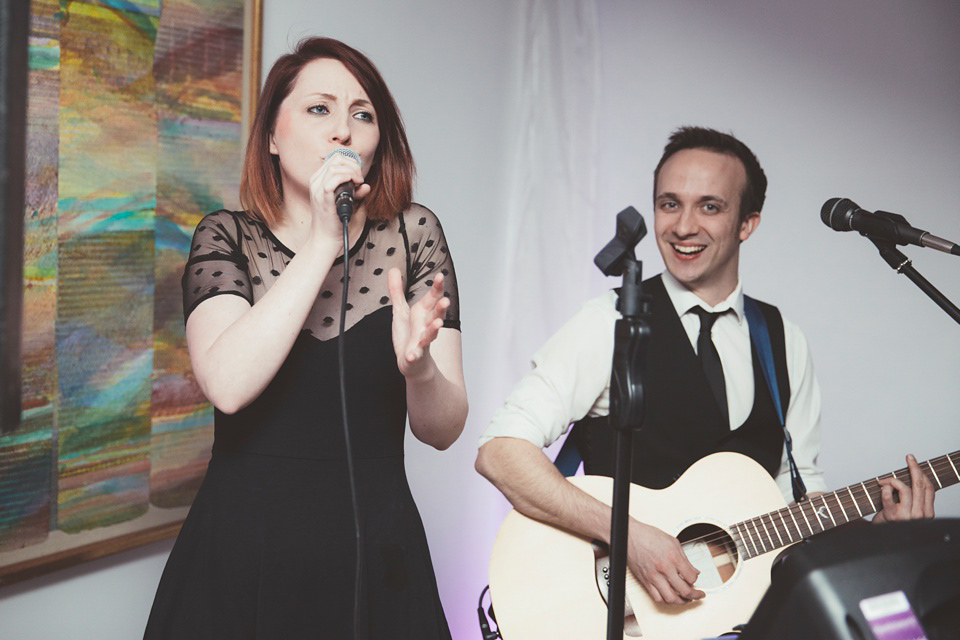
710	359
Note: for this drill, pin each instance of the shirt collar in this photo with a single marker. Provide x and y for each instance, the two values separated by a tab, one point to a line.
683	299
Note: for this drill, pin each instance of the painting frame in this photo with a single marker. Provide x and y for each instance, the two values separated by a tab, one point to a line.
97	544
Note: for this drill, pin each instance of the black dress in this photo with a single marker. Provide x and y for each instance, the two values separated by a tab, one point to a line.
268	548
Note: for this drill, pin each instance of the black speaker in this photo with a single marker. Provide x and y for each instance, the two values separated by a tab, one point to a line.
895	581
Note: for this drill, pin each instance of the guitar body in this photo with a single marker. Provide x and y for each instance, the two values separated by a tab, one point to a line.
543	580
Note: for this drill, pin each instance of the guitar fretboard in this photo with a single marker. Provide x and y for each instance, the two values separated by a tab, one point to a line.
794	523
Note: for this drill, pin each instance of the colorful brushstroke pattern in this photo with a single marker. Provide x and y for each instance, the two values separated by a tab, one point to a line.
133	135
198	73
107	197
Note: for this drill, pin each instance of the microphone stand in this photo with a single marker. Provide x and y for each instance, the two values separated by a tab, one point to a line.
902	264
631	333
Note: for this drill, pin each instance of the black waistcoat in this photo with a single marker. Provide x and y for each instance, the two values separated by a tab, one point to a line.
682	420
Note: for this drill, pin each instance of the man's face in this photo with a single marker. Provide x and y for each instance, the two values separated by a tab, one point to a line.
697	220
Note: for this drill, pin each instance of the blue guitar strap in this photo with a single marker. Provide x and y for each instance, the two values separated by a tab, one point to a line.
760	337
568	459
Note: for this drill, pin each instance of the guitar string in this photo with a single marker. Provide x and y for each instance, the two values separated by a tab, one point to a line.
941	467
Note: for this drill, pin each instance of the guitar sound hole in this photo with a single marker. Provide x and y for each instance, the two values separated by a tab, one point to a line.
711	550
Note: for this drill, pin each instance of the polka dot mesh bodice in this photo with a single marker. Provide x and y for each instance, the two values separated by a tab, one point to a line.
233	254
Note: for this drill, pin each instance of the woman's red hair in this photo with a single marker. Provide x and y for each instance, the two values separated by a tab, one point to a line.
392	171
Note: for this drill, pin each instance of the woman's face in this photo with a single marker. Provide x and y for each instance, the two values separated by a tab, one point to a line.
326	109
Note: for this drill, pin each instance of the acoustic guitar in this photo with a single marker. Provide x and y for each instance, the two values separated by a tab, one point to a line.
549	584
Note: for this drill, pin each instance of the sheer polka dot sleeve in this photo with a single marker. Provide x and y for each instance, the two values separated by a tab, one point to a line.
216	265
429	256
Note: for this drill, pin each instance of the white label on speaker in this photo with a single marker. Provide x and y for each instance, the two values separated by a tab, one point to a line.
891	617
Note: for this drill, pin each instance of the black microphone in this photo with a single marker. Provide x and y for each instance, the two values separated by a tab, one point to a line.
343	195
842	214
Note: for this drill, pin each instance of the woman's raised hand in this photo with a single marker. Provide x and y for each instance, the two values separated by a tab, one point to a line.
414	328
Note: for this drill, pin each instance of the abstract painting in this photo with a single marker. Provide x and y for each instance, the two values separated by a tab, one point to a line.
135	127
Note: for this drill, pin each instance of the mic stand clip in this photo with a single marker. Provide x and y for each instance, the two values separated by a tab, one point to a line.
902	264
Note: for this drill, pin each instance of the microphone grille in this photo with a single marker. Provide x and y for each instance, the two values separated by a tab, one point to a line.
836	212
343	151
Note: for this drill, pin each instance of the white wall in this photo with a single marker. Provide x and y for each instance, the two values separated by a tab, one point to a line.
853	99
856	99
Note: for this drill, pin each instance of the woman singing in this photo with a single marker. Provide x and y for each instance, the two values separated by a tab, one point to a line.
269	548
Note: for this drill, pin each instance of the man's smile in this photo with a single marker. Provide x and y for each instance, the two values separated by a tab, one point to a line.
688	250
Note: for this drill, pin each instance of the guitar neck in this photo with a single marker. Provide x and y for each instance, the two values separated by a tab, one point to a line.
798	521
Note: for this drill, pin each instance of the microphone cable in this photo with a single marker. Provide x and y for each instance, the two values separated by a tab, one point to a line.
345	219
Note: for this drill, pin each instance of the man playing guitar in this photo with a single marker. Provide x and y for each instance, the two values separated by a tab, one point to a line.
709	190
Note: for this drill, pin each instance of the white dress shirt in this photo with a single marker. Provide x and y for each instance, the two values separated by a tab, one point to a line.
570	378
